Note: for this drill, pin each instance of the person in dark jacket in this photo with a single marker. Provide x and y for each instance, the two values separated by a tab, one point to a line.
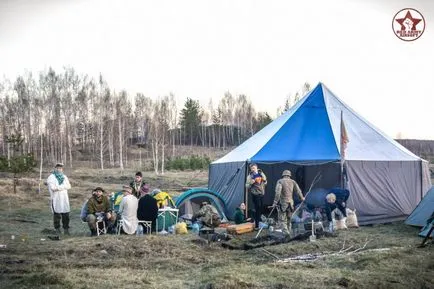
239	216
148	208
336	199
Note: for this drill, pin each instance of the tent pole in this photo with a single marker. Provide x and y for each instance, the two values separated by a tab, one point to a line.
246	192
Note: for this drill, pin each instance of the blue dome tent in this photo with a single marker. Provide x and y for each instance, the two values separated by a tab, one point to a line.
189	202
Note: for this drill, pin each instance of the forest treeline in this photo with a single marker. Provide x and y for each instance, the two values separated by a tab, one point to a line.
422	148
66	116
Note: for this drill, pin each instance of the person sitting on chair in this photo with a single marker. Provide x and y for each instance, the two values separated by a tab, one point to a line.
239	216
148	208
207	215
128	211
98	208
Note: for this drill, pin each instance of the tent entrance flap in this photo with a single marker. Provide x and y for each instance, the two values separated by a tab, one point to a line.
190	202
302	173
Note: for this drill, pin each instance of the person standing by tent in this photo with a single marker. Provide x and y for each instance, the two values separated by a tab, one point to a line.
137	184
255	185
284	199
58	186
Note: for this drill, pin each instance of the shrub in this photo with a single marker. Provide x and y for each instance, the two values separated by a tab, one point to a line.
188	163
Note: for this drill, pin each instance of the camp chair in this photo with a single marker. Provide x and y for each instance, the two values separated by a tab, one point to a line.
119	226
147	225
100	226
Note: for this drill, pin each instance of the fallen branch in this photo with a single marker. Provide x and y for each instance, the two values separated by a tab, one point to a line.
270	254
359	249
343	251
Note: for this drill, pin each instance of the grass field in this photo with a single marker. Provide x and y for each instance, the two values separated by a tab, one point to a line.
31	260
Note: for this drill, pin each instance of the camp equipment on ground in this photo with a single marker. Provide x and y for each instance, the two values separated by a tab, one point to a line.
340	224
260	229
352	219
181	228
312	237
241	228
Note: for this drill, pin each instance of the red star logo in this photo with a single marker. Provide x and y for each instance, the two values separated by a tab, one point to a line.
408	16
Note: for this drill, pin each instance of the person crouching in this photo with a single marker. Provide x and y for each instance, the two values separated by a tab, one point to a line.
331	204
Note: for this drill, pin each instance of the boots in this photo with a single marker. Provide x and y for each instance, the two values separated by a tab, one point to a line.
93	233
66	232
58	232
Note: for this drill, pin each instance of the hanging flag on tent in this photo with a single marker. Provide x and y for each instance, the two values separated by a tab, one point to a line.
344	137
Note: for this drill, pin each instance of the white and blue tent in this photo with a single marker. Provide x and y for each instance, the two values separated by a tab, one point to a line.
385	179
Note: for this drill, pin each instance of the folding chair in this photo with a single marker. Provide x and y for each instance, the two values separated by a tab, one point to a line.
147	225
100	226
118	228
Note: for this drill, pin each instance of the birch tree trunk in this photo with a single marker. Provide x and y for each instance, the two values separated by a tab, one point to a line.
101	144
121	164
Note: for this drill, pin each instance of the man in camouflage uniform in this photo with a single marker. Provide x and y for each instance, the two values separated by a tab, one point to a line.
284	200
208	215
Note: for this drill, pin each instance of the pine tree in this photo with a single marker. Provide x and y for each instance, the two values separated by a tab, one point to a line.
19	162
191	120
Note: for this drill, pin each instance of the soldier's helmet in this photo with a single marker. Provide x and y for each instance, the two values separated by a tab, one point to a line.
286	173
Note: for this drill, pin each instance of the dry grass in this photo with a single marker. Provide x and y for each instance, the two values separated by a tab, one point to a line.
31	260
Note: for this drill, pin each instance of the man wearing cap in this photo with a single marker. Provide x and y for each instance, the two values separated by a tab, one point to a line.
98	206
58	186
128	211
208	215
284	199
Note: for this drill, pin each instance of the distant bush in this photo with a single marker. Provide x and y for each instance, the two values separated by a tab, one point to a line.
188	163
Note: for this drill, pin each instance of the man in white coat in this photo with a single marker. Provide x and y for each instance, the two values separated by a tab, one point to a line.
128	211
58	186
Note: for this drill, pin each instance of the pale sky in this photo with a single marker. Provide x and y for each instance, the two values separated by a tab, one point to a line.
264	49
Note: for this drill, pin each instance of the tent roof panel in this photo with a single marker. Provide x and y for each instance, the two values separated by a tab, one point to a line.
310	131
